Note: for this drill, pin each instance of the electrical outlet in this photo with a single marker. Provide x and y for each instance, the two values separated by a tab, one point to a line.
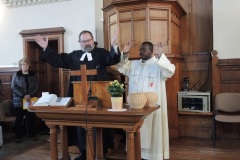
14	63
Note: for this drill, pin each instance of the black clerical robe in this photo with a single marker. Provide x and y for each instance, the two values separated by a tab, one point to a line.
101	58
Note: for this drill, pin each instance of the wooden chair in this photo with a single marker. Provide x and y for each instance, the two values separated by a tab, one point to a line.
7	115
227	110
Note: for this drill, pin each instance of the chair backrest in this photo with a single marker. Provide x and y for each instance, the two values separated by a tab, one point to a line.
227	102
6	111
1	92
2	113
8	107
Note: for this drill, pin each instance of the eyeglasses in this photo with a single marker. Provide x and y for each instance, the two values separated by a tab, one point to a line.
86	41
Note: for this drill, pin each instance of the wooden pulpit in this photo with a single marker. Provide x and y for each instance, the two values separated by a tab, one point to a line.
98	96
130	120
98	89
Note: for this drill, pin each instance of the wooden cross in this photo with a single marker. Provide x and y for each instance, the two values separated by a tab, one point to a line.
84	73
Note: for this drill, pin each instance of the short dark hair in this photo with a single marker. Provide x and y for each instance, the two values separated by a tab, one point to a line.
149	44
83	32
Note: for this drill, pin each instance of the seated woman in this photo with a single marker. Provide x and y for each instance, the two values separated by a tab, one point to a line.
24	85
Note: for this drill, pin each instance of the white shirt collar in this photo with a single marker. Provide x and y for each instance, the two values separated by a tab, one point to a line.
89	56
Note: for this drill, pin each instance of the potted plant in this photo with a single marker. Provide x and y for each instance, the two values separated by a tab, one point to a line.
116	90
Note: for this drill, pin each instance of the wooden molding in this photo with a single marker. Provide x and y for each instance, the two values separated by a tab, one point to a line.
24	3
108	4
55	30
8	69
229	62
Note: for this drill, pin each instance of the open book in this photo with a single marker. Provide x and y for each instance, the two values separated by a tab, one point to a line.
52	100
26	104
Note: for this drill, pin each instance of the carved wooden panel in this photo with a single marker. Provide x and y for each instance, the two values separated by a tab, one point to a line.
195	126
197	26
229	70
197	68
6	78
98	90
141	21
226	79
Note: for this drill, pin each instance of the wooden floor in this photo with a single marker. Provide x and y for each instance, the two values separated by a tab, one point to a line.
180	149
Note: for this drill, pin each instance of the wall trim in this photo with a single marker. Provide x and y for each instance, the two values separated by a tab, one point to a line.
24	3
8	69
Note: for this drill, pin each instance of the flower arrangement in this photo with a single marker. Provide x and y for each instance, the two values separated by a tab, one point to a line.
115	89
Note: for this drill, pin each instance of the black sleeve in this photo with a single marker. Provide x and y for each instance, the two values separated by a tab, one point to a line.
112	57
59	60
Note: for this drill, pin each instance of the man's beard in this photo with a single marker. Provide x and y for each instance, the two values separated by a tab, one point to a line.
88	48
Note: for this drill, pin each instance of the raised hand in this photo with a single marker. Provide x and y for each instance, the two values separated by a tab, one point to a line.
115	38
27	97
158	50
127	47
41	42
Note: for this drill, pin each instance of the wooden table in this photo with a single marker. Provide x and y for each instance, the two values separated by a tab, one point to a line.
130	121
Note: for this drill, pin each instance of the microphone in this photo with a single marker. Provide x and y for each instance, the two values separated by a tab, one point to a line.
90	87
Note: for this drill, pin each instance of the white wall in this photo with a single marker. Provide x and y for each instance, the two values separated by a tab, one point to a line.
99	23
73	15
226	26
